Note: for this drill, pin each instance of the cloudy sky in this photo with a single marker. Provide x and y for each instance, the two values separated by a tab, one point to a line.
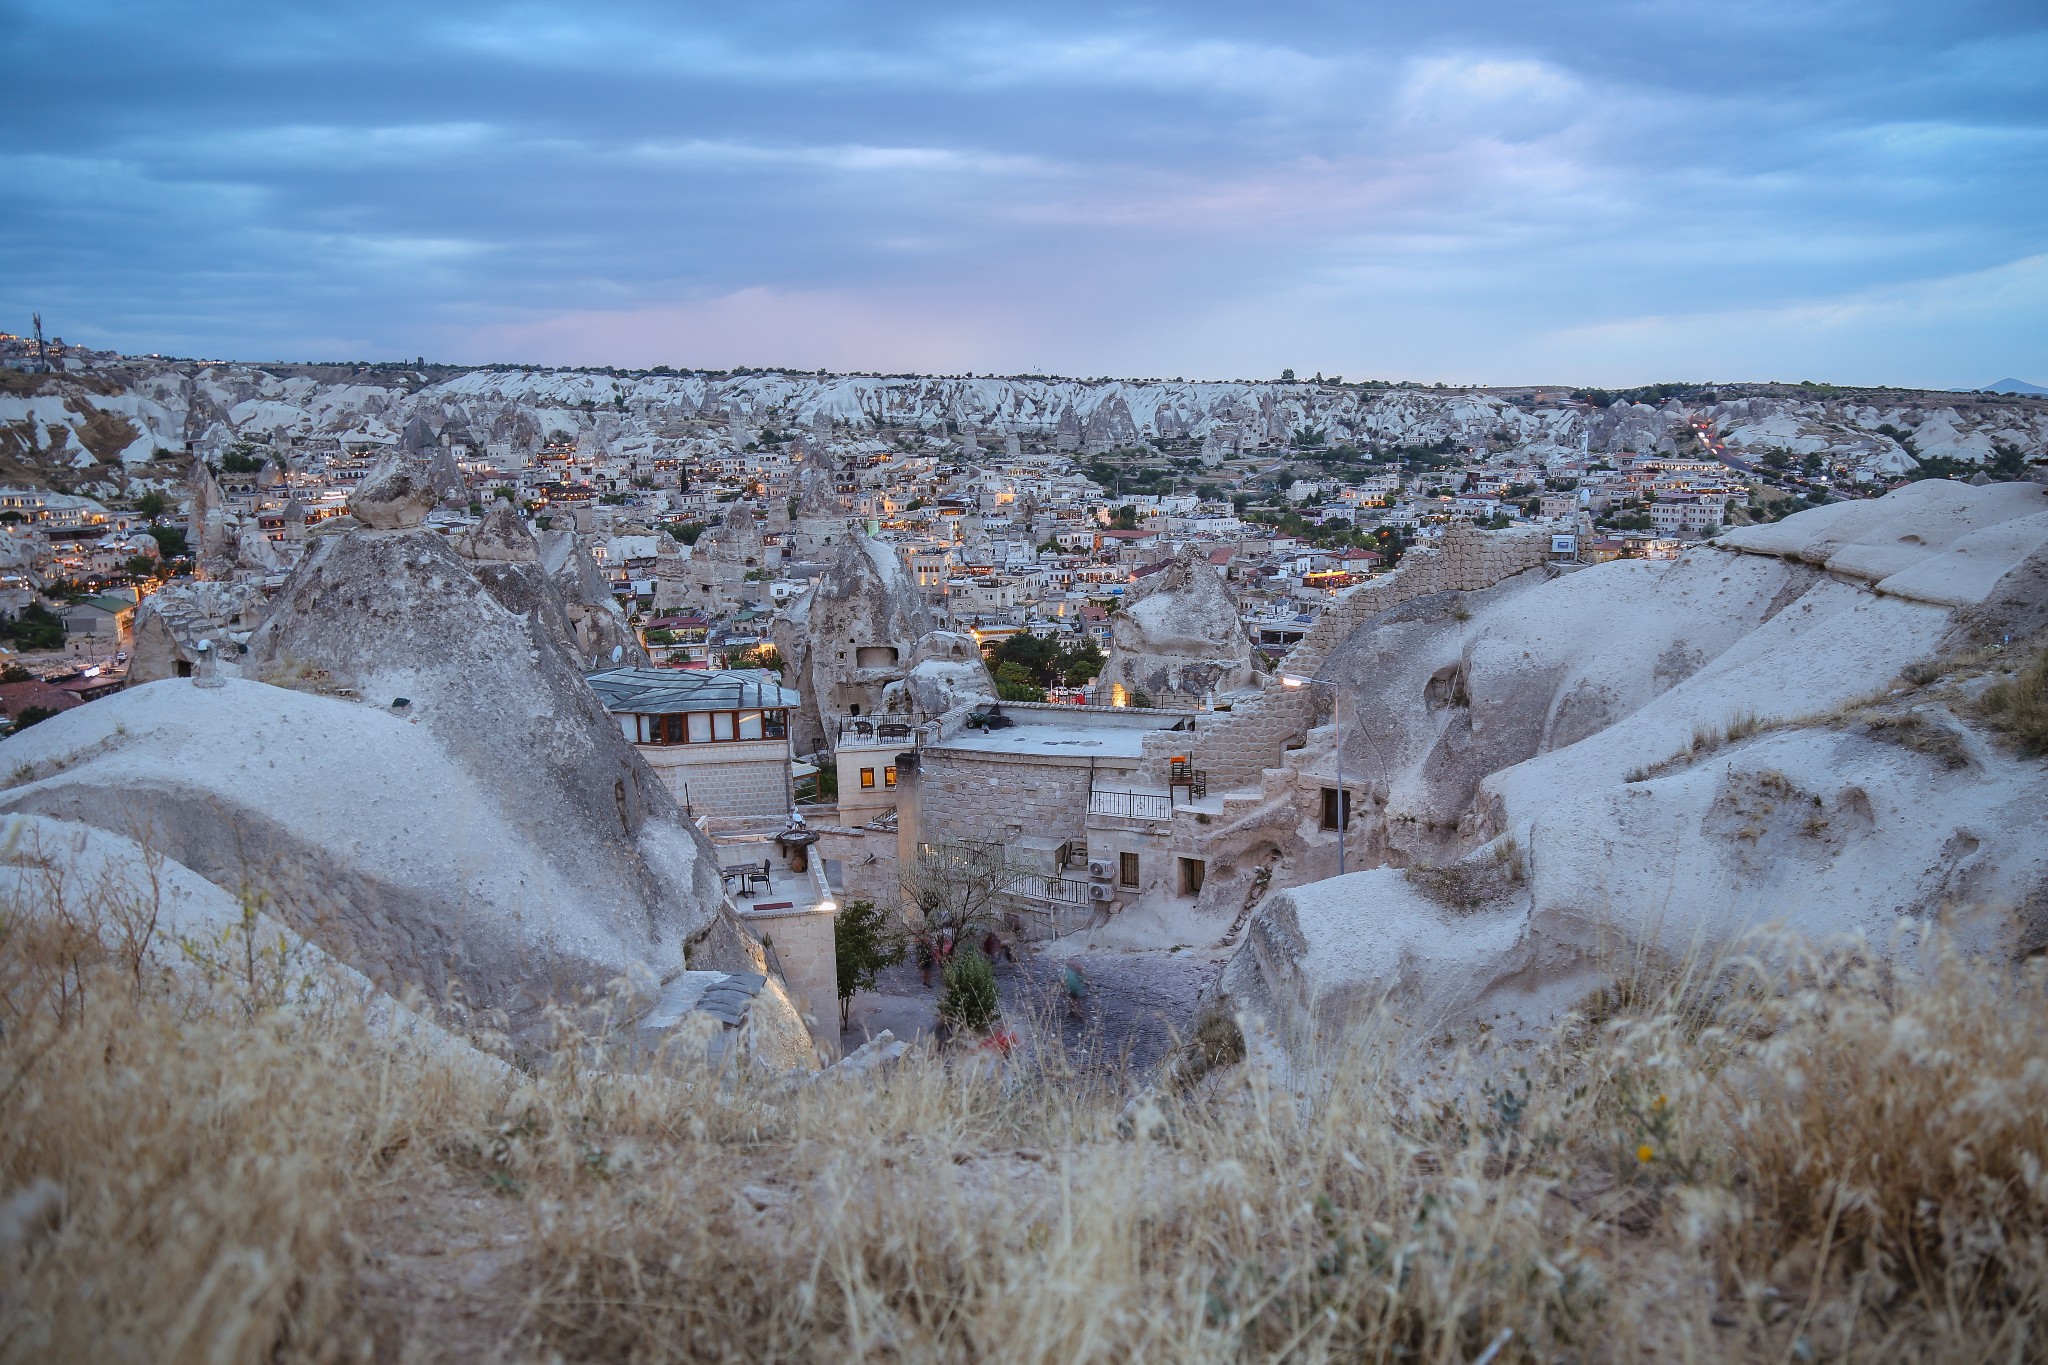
1501	191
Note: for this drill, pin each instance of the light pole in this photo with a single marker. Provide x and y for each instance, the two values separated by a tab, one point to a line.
1337	720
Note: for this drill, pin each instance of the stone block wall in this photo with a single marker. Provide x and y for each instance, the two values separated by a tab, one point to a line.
803	946
743	778
998	798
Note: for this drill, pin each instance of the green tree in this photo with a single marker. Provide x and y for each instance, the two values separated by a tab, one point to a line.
151	504
685	531
1081	663
170	541
970	1000
37	627
1124	519
1037	656
31	715
865	942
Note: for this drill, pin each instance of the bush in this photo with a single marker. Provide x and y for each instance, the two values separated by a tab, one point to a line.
970	1000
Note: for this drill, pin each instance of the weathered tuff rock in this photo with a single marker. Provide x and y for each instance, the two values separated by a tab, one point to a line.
1179	637
502	537
848	638
476	816
392	497
946	670
1528	753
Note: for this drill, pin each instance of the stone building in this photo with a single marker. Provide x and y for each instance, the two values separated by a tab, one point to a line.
719	740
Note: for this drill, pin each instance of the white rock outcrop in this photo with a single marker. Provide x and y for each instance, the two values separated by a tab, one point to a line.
1177	638
1640	760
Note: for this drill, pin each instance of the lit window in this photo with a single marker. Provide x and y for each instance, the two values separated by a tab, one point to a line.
867	779
889	776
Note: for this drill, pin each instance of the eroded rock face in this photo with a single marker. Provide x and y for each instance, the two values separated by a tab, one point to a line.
403	616
502	537
392	497
1644	757
850	637
1178	638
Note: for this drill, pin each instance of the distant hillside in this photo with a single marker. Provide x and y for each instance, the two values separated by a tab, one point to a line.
2014	386
96	431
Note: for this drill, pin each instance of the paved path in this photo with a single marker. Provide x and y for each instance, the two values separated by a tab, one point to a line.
1137	1003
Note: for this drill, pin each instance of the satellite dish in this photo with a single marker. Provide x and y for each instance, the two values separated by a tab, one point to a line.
618	653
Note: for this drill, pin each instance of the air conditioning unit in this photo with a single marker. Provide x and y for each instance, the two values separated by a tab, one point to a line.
1100	891
1100	870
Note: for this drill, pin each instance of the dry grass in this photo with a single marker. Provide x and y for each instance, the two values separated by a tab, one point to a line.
1794	1156
2017	707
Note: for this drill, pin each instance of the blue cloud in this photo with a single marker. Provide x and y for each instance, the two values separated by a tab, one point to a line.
1475	190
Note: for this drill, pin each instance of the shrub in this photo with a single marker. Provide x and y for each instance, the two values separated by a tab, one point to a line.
970	1000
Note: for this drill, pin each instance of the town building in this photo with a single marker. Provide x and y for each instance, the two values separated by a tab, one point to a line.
718	739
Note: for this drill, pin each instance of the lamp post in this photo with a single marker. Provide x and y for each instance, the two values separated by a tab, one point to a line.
1337	720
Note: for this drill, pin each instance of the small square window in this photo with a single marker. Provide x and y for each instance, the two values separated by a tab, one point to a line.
1336	808
867	779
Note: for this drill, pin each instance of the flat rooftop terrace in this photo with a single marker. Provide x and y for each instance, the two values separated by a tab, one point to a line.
1054	731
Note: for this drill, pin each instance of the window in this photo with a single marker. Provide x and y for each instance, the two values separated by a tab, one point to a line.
775	725
1127	869
722	725
889	776
750	725
1336	808
700	726
867	779
1192	873
673	725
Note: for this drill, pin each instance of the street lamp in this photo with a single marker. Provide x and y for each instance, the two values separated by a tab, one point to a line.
1336	719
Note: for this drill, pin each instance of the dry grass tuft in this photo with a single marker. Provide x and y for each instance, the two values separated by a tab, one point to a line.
1790	1155
2017	707
1914	731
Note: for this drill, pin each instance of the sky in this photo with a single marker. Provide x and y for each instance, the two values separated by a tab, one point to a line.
1490	191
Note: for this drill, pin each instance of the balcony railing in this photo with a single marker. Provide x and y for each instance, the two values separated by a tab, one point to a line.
1129	804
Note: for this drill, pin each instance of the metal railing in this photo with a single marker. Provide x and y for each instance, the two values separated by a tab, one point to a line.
1061	890
1131	805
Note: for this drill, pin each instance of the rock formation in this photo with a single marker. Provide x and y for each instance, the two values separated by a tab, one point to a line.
851	636
1639	759
1177	638
432	794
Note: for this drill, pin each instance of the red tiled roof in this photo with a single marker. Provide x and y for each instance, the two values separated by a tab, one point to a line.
18	697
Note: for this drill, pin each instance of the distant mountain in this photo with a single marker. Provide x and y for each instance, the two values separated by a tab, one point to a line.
2013	386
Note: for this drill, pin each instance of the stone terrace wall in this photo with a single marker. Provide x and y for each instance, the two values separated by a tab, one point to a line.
1235	748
